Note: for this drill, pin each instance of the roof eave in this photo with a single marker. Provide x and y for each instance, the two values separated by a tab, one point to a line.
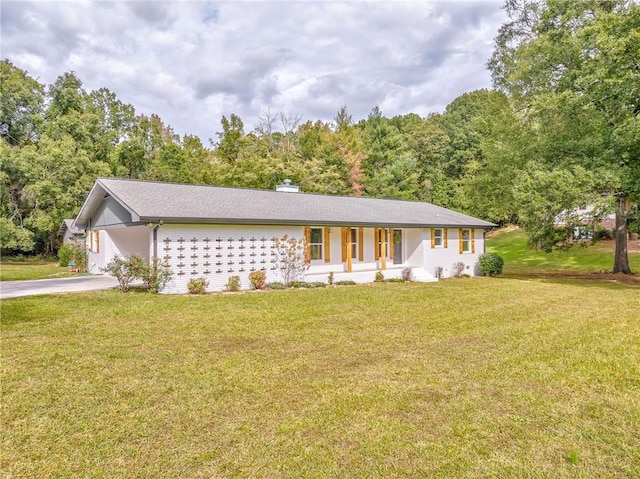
306	222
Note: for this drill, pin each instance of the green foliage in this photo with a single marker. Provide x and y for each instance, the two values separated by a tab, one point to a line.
75	253
197	285
125	269
346	282
548	198
155	275
491	264
233	284
568	67
379	277
307	285
258	279
330	278
276	285
15	238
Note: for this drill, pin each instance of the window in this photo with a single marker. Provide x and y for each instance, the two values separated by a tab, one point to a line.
380	234
438	237
315	243
354	242
466	241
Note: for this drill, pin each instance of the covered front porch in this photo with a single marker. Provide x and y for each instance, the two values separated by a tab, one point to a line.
358	253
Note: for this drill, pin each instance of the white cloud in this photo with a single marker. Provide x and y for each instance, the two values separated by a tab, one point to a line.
193	61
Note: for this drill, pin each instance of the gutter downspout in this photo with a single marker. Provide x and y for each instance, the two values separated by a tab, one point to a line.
155	238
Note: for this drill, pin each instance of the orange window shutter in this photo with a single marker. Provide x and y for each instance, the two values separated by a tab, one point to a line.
473	240
390	245
433	237
327	245
344	233
460	240
307	244
376	243
446	241
360	244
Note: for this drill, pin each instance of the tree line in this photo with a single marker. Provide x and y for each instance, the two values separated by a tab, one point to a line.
560	130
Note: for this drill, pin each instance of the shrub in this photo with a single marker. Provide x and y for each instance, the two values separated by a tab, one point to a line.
73	253
125	269
197	285
63	255
346	282
491	264
155	275
276	285
379	277
330	279
407	275
233	283
308	285
394	280
457	269
258	279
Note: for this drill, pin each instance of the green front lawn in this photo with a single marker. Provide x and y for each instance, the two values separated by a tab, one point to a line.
468	378
15	271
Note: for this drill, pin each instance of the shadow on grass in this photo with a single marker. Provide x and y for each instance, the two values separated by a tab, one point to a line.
589	280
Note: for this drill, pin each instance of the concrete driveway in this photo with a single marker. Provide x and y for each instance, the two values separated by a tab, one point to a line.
15	289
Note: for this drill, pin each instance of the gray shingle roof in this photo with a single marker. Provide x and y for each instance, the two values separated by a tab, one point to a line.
68	224
170	202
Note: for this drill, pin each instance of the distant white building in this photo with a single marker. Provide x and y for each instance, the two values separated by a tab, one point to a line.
216	232
70	233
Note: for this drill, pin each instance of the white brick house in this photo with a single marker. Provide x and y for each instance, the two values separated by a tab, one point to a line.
216	232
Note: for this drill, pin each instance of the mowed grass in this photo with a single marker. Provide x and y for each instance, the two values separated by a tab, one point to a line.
468	378
17	271
521	259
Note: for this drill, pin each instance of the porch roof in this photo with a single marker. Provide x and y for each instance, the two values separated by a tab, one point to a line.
151	202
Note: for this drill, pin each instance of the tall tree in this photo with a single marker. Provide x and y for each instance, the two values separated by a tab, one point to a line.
21	105
564	61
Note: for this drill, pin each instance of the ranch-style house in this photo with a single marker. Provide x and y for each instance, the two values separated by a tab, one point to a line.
218	232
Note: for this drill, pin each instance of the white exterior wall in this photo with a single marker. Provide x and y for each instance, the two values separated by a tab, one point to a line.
447	257
119	241
216	252
205	251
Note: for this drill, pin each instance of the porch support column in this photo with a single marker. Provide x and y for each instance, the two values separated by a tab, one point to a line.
383	249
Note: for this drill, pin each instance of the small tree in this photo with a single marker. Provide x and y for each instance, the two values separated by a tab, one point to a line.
291	258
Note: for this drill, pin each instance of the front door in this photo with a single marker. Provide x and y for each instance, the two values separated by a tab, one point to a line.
397	247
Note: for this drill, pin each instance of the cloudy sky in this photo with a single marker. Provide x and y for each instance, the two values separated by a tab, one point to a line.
193	61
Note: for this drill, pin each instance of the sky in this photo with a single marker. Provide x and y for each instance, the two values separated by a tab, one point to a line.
191	62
